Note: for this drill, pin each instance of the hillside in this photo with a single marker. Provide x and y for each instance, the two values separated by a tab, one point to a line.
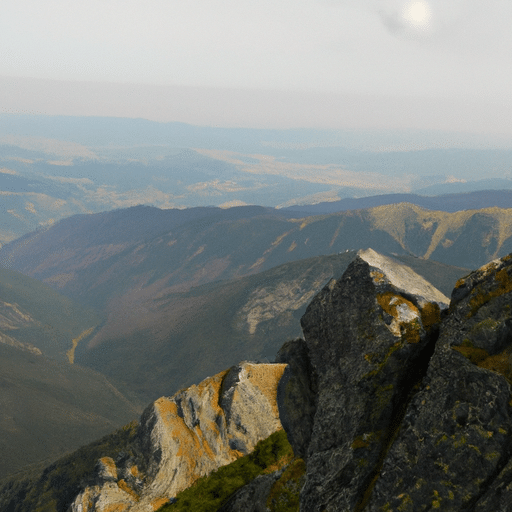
152	255
397	398
49	406
35	316
178	338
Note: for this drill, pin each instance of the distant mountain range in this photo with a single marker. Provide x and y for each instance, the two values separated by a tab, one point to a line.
54	167
496	195
94	258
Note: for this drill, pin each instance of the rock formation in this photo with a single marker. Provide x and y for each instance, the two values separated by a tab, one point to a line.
187	436
413	409
454	448
397	399
369	336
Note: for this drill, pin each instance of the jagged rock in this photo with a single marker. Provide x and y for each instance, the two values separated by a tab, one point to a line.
106	469
296	395
454	448
253	496
370	336
187	436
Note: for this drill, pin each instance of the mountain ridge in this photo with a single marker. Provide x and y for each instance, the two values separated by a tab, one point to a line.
235	244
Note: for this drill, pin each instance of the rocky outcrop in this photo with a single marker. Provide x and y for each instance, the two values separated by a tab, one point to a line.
187	436
454	447
413	403
369	336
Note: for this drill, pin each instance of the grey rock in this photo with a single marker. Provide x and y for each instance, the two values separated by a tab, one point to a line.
253	496
369	340
187	436
296	395
454	447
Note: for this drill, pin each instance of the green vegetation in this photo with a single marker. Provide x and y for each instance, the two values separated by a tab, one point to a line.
210	492
285	493
56	319
59	484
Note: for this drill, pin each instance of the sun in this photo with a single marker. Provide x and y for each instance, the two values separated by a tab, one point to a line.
417	14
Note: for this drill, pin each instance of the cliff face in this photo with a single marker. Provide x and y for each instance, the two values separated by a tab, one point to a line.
369	337
187	436
397	399
413	410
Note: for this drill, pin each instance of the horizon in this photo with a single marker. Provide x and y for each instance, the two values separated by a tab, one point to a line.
323	64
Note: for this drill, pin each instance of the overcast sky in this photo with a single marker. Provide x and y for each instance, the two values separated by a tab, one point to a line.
442	64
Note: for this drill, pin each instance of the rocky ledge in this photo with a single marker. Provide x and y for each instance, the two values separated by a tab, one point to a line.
188	436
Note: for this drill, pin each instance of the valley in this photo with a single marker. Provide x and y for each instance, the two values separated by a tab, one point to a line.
184	292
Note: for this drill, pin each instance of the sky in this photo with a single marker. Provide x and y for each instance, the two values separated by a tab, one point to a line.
427	64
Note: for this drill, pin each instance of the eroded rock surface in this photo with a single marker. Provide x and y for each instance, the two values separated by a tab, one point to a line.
370	336
296	395
187	436
454	448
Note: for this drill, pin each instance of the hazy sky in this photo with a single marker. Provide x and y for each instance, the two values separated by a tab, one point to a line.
328	63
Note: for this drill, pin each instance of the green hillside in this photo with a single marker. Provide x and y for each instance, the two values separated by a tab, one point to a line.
50	408
35	314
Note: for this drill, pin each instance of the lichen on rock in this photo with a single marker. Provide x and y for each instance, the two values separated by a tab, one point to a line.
369	347
187	436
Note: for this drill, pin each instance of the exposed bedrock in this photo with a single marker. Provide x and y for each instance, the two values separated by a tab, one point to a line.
453	451
370	336
187	436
